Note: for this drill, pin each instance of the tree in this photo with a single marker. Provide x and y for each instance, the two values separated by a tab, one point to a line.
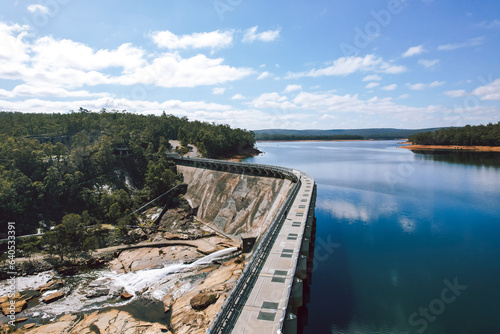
159	178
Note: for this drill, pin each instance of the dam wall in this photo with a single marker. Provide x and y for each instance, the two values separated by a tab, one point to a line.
234	203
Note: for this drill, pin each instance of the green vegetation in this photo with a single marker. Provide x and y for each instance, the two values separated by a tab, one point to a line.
480	135
76	171
265	137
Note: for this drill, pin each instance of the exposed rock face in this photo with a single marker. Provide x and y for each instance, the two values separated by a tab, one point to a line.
234	203
111	322
126	295
203	300
53	297
19	306
185	319
147	258
52	285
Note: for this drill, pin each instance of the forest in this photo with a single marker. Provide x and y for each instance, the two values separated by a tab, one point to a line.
75	172
469	135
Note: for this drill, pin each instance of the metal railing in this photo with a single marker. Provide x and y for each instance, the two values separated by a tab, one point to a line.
296	263
232	307
228	314
286	171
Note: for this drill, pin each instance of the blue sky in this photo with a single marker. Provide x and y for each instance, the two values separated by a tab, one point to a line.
257	64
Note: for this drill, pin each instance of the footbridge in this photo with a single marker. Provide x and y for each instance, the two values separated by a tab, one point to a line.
270	291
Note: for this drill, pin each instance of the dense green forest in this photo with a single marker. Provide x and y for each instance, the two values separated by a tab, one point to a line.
479	135
82	169
266	137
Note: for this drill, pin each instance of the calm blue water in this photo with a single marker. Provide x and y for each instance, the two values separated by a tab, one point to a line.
405	242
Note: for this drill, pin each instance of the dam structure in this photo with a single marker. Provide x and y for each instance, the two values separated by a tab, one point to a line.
270	291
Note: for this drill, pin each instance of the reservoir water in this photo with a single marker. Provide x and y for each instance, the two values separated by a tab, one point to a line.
405	242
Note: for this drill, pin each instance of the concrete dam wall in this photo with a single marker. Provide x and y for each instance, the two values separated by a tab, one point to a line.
234	203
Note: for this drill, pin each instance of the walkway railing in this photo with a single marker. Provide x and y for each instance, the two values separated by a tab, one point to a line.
228	314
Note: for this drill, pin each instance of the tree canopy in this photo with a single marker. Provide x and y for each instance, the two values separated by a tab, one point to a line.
93	168
479	135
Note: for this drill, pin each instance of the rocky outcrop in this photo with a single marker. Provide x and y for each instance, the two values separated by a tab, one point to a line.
111	322
16	305
53	297
148	258
234	203
219	281
203	300
52	285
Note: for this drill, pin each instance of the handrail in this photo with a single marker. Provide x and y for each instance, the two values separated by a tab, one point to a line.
294	269
228	314
288	171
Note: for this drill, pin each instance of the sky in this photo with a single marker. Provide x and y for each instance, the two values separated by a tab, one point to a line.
254	64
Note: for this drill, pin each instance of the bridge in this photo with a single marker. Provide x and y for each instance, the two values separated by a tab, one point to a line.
267	296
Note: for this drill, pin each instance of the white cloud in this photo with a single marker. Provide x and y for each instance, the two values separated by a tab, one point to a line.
489	25
471	42
372	85
456	93
263	75
38	8
213	40
14	50
348	65
414	50
251	35
348	104
171	70
291	88
417	86
372	77
237	97
272	100
404	96
50	54
490	91
422	86
218	90
175	107
436	83
38	91
428	63
67	64
390	87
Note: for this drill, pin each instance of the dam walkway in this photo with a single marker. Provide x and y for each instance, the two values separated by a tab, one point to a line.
267	296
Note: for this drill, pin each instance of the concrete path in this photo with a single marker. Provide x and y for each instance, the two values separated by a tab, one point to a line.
266	307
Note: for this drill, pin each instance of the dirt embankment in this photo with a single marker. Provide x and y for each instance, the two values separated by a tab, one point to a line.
450	148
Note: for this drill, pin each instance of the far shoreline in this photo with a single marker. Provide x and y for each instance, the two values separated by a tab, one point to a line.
316	140
413	147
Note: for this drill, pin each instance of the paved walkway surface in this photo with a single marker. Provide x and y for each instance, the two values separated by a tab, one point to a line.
266	305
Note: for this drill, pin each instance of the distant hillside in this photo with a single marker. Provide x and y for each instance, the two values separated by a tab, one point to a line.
380	133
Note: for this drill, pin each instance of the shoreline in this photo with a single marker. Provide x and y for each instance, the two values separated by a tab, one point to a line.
412	147
315	140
